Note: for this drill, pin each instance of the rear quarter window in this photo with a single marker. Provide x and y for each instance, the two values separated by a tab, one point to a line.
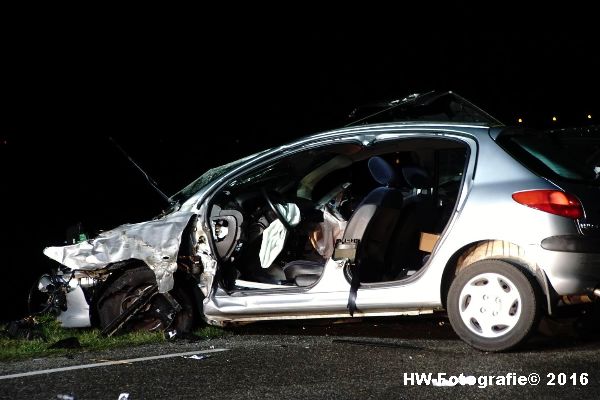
554	157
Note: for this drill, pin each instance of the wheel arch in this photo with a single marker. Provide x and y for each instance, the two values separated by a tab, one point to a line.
500	250
182	279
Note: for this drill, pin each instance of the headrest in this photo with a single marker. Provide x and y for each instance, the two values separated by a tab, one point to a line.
381	171
416	177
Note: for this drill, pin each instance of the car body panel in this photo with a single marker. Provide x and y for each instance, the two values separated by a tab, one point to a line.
484	212
508	222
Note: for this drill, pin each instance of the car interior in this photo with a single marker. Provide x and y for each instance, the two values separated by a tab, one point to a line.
275	226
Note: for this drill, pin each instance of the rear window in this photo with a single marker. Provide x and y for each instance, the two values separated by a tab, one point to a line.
550	156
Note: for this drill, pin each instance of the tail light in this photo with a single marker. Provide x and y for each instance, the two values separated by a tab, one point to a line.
551	201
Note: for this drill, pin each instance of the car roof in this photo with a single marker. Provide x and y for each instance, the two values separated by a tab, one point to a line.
472	128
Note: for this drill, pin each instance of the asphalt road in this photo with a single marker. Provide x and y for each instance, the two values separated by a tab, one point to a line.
367	360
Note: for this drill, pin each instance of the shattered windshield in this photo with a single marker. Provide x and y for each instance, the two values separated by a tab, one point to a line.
209	176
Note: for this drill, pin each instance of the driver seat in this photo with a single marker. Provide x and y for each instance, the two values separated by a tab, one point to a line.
374	220
372	223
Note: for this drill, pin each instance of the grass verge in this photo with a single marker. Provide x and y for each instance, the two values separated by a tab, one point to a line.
51	332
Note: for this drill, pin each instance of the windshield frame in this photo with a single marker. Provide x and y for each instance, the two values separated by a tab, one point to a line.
209	177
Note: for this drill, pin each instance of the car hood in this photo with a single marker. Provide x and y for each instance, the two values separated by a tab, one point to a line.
154	242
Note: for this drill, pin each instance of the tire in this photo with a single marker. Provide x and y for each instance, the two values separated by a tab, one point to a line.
127	287
493	305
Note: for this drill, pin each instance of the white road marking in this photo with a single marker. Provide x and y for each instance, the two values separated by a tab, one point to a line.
107	363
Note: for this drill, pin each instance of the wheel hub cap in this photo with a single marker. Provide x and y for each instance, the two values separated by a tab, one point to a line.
490	305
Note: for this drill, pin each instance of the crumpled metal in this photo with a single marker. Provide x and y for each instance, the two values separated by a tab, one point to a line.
154	242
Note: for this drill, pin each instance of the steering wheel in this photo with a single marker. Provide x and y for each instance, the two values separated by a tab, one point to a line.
273	208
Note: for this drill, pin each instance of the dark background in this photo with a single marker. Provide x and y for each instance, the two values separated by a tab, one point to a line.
183	97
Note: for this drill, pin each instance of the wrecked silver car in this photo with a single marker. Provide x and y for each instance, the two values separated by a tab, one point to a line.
448	211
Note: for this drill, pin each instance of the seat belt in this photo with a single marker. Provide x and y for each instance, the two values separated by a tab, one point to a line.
354	285
346	249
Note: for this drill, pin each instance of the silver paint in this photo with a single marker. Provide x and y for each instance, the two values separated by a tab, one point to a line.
484	211
154	242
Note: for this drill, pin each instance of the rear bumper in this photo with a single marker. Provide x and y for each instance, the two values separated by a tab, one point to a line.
572	263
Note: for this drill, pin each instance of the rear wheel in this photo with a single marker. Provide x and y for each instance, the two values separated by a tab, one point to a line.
493	305
156	315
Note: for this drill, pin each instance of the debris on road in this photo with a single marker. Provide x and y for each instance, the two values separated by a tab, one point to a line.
27	328
174	334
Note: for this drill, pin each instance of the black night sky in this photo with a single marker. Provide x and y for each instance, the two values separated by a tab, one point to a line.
181	98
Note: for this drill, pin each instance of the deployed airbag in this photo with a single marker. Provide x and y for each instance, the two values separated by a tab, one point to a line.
274	236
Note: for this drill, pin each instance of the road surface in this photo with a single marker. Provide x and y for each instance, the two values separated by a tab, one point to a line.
374	359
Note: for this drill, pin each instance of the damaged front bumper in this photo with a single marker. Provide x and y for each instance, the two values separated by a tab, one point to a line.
155	242
64	296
